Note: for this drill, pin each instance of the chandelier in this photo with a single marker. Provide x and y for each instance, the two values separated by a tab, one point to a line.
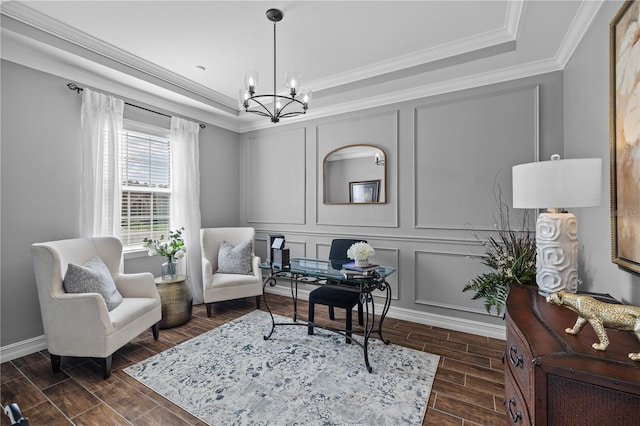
281	106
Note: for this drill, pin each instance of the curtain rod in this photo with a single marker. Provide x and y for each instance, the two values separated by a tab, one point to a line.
78	89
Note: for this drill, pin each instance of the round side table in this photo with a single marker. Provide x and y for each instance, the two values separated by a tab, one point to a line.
177	300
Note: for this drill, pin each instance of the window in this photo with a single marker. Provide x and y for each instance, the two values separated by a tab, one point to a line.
146	184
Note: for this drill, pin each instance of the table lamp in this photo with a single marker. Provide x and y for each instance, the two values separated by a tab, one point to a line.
555	185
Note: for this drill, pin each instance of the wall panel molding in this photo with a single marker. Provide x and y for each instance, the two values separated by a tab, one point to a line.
449	267
379	128
471	142
275	169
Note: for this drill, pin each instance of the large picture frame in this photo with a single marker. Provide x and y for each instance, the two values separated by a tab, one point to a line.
625	136
367	191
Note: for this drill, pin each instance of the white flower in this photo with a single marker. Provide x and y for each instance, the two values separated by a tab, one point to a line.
360	251
171	246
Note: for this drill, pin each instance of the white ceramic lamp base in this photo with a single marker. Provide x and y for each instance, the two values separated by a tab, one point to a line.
556	253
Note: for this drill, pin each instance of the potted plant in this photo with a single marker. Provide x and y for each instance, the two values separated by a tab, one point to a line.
511	254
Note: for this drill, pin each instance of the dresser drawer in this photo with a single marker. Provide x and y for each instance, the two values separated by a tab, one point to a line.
515	403
518	358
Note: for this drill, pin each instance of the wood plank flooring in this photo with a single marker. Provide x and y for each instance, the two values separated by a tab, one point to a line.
468	387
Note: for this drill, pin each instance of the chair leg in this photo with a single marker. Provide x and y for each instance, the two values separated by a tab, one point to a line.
349	325
209	309
55	362
258	302
311	316
332	313
155	329
106	366
360	320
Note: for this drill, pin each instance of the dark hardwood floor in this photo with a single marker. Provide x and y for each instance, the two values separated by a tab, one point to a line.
468	387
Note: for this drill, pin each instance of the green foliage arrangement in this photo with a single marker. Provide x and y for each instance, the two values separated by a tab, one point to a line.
512	254
173	246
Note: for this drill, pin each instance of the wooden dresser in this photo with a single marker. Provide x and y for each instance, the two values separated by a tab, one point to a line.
553	378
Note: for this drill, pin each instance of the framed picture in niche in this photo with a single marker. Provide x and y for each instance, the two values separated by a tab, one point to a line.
624	39
367	191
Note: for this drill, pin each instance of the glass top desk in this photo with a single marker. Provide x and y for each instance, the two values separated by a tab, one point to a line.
323	272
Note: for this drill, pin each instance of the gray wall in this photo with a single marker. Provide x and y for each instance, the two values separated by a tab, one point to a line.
443	155
40	180
586	94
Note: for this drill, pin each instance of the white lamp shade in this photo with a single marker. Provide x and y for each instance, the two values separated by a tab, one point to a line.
558	184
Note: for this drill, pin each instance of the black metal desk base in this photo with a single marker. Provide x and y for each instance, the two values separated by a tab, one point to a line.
366	298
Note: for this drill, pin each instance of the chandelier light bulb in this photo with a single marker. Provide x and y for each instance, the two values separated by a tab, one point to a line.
251	81
306	98
244	98
293	82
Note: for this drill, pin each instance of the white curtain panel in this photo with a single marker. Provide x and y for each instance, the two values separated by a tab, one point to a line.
185	196
101	188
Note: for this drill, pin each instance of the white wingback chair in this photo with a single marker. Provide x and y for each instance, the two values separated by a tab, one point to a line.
220	286
79	324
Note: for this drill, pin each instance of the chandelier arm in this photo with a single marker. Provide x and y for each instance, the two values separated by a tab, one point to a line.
292	114
258	112
290	101
253	98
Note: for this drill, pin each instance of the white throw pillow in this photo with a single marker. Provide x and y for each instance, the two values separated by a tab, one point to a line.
92	277
234	260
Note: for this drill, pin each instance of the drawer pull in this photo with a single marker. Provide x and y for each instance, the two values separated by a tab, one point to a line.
515	417
519	360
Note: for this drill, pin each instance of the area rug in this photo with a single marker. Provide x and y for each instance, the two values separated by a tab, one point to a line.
232	376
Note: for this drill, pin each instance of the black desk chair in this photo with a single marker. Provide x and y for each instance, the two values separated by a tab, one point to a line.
334	297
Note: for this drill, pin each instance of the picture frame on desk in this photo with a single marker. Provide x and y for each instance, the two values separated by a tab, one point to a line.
625	138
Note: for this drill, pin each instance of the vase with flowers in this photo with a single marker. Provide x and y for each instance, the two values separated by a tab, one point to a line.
172	247
360	252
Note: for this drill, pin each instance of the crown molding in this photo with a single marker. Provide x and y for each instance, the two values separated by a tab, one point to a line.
425	91
132	64
459	47
513	17
198	102
579	26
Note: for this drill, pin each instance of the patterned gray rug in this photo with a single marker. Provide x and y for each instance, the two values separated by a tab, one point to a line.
232	376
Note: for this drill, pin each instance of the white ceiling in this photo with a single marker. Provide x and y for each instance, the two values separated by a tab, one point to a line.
352	54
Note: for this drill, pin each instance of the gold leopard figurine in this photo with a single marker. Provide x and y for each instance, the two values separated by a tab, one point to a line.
599	315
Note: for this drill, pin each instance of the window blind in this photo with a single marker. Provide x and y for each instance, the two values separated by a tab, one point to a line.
146	187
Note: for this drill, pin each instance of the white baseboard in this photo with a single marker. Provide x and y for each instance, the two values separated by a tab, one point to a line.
435	320
35	344
25	347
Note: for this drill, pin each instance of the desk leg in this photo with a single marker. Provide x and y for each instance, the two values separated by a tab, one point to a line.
270	280
293	282
367	299
387	304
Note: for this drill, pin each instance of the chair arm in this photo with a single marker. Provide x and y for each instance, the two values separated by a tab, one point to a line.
255	264
137	285
69	311
207	272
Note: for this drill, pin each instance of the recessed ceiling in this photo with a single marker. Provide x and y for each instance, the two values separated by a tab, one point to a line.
352	54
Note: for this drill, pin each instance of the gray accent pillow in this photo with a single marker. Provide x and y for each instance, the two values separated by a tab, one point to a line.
92	277
234	260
